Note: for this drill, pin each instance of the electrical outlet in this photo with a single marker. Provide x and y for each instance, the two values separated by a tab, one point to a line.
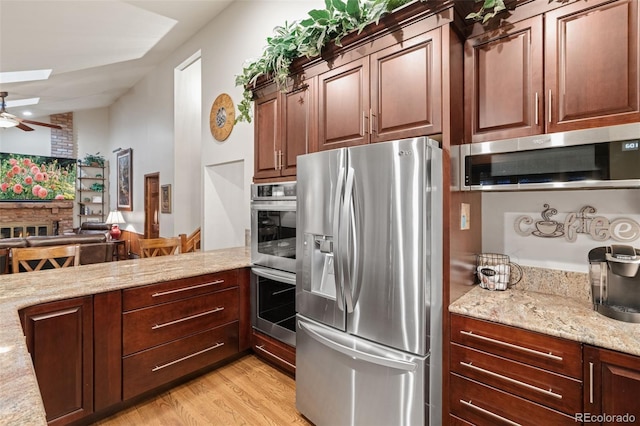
465	216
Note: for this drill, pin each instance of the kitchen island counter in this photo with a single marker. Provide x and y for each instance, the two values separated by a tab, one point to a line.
553	315
20	402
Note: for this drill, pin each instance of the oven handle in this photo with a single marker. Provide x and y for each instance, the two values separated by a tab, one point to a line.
271	274
286	206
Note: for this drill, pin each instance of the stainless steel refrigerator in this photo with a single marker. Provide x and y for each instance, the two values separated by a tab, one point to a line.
369	285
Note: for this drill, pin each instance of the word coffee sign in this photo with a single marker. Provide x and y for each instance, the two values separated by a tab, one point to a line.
585	221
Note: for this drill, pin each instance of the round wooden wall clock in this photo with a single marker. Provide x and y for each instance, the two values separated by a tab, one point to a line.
222	117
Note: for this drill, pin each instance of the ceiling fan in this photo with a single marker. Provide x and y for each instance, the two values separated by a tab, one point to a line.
10	120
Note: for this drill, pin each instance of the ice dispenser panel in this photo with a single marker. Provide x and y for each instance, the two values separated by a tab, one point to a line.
319	276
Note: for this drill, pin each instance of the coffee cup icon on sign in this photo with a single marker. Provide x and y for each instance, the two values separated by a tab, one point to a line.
546	227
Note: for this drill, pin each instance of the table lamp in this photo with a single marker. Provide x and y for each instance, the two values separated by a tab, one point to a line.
114	218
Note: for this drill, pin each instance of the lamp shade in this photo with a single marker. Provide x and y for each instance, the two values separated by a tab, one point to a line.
115	217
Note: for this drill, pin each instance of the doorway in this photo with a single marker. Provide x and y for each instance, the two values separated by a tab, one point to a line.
151	205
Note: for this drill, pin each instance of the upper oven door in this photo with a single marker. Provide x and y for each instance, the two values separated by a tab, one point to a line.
273	234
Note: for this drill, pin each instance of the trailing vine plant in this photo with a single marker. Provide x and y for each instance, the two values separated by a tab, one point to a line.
307	37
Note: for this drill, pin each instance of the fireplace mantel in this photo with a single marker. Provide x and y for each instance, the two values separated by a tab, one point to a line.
36	205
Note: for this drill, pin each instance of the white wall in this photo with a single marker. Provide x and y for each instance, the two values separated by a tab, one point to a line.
187	188
143	118
37	142
501	209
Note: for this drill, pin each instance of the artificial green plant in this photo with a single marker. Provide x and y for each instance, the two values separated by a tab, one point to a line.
307	37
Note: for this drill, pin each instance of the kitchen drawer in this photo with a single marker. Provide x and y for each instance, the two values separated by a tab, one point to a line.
553	390
162	364
540	350
484	405
274	351
148	295
147	327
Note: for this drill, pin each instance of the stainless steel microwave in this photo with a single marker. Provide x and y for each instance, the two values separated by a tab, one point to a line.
605	157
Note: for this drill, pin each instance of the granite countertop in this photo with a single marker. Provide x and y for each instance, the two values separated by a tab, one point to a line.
20	402
555	315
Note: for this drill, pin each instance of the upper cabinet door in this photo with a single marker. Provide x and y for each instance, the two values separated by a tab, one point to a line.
343	106
406	89
503	82
297	125
592	65
267	139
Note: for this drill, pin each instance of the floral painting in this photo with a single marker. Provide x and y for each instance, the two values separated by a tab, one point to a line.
27	177
125	197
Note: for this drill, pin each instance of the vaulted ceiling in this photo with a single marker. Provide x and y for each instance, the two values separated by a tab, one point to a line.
97	49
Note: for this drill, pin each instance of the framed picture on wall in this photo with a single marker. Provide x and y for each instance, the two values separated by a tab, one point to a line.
165	198
125	174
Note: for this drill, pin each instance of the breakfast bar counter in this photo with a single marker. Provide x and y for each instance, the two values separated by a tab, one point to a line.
20	401
554	315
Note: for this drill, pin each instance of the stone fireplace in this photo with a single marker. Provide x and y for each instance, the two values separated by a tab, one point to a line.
35	218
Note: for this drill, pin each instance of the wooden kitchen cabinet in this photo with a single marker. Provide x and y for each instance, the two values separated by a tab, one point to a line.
502	374
178	327
591	65
274	351
501	104
612	384
391	94
580	72
59	337
284	128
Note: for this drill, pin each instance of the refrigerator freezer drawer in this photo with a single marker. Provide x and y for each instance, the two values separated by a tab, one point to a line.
344	380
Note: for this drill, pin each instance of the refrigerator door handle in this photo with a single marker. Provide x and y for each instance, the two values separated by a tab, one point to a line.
345	253
315	333
336	240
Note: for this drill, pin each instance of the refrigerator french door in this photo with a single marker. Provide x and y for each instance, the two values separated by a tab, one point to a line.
369	284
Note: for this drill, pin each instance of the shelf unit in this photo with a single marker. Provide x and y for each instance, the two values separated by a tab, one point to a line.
92	205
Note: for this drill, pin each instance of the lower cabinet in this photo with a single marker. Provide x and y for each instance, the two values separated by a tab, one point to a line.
505	375
274	351
93	353
611	388
59	337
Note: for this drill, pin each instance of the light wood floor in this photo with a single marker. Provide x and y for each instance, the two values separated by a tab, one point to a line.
245	392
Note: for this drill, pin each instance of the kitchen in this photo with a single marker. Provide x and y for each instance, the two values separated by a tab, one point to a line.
495	236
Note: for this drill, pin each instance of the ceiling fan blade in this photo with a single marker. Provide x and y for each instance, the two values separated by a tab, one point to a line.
24	127
38	123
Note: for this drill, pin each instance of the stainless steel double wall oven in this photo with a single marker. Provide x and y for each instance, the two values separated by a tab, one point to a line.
273	259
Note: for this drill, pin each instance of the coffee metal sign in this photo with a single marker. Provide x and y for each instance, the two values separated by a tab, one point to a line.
585	221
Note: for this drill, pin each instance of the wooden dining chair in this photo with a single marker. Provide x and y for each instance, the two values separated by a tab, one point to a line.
152	247
4	260
31	259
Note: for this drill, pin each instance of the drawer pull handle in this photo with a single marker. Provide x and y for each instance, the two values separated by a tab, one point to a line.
201	314
494	415
178	290
509	345
590	383
184	358
509	379
262	349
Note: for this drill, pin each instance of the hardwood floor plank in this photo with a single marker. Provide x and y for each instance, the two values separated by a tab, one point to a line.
245	392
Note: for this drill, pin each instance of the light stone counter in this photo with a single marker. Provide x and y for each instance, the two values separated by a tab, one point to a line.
20	402
555	315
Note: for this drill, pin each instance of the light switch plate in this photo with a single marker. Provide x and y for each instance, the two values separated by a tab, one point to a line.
465	216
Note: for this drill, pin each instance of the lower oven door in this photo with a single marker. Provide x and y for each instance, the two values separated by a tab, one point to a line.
273	303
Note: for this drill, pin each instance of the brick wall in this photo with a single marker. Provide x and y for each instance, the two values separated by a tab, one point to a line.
36	212
62	143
